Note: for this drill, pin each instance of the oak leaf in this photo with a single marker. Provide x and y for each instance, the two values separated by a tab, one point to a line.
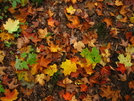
2	70
11	25
68	67
12	85
10	96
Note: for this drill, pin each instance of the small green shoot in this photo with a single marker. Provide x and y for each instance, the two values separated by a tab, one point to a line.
1	88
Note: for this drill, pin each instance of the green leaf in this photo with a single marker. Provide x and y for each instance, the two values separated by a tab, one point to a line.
92	56
23	64
17	64
2	89
126	60
23	55
31	58
14	4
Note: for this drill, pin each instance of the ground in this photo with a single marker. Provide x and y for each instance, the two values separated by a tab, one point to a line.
67	50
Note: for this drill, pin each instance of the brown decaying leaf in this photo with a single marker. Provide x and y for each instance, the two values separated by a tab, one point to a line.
71	88
2	55
124	43
90	5
26	91
13	84
2	70
131	84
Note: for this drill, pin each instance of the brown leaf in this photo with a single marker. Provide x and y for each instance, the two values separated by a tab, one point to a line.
124	43
26	91
12	85
67	81
79	45
123	10
44	62
90	5
2	70
118	3
131	84
71	88
2	55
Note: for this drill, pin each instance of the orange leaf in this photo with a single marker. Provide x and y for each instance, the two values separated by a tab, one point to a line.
83	88
49	98
108	21
52	22
10	96
121	68
44	62
26	91
67	96
118	3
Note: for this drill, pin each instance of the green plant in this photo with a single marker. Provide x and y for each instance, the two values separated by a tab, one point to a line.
1	88
14	2
7	43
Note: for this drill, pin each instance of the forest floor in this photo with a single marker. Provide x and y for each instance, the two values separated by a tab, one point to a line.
67	50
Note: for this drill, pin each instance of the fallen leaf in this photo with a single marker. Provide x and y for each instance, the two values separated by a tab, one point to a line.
71	65
50	13
2	55
90	5
108	21
71	88
68	96
70	10
2	70
26	91
89	70
121	68
79	45
132	19
83	88
10	96
49	98
123	10
131	84
40	78
51	70
52	22
118	3
42	33
11	25
124	43
6	36
44	62
87	98
105	70
12	85
67	81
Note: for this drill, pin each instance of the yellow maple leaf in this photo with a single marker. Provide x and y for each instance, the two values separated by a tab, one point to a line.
10	96
51	70
132	19
68	67
70	9
11	25
40	78
6	36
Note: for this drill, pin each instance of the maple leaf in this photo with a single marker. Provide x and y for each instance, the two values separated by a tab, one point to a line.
79	45
67	96
74	20
105	70
11	25
93	56
6	36
51	70
44	61
26	91
68	67
70	9
67	81
89	69
71	88
42	33
10	96
118	3
126	60
52	22
40	78
121	68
